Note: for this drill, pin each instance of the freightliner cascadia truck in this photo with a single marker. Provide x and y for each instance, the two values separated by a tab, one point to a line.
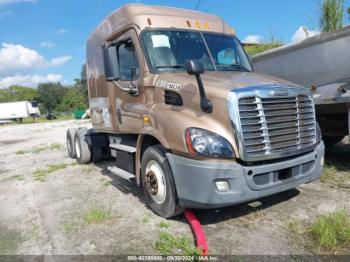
174	101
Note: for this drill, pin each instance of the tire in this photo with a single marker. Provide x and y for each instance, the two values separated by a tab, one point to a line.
70	142
82	149
332	140
158	183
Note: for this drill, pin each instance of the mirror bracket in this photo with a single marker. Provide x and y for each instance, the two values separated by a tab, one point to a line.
133	90
196	68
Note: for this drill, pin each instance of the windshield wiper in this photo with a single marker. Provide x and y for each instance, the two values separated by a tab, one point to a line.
170	66
238	67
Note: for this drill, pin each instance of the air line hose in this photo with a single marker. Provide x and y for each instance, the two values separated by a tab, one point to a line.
198	232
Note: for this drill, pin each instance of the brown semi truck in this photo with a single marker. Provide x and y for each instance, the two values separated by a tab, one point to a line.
174	99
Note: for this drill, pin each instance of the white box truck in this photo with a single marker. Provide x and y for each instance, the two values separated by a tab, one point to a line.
18	110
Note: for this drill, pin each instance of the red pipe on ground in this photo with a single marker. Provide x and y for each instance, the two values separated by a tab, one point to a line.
198	232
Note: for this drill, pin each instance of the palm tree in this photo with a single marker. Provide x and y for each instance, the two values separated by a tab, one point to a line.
332	14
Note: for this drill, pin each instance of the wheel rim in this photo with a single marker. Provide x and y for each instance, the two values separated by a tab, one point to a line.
155	182
77	148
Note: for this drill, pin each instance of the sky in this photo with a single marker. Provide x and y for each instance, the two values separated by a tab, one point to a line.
44	40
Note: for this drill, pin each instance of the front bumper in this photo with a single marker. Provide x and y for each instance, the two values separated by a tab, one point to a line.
195	180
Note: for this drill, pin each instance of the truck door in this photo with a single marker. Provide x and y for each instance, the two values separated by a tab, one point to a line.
129	106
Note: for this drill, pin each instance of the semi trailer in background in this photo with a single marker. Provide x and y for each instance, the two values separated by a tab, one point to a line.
321	64
17	111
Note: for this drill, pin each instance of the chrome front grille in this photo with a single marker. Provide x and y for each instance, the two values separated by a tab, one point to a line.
269	127
273	125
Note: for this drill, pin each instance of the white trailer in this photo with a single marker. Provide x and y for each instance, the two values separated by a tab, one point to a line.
18	110
321	63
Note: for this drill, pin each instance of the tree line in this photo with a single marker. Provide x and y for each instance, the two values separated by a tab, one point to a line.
53	98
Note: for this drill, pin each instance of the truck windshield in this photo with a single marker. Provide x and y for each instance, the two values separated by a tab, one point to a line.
168	51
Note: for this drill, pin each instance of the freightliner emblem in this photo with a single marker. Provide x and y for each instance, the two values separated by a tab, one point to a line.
279	93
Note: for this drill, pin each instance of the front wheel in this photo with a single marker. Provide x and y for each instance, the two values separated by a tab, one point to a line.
158	183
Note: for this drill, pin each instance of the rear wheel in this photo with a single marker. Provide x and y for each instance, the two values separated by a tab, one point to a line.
82	149
70	142
158	183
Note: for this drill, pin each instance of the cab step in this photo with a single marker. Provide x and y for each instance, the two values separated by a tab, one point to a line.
121	173
126	148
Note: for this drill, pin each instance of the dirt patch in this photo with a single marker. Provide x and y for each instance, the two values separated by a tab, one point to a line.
11	141
87	210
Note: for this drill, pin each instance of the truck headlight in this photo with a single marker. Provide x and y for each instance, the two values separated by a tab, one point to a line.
318	133
205	143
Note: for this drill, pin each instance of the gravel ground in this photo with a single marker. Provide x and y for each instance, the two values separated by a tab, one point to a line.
45	198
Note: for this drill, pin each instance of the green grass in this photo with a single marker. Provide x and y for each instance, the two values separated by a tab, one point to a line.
39	149
9	240
163	225
328	233
43	120
87	170
41	174
97	215
296	232
55	146
32	233
20	152
107	183
331	232
336	176
19	178
145	220
168	244
69	227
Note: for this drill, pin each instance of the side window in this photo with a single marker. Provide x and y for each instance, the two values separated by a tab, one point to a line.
127	58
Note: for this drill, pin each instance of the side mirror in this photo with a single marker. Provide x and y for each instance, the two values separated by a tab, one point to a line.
196	68
111	65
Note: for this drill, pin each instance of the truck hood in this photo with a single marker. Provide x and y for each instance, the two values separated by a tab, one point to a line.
217	84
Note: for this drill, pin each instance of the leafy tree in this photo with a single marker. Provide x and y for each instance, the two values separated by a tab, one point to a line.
332	14
272	42
4	96
77	95
18	93
253	49
73	99
81	83
51	95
